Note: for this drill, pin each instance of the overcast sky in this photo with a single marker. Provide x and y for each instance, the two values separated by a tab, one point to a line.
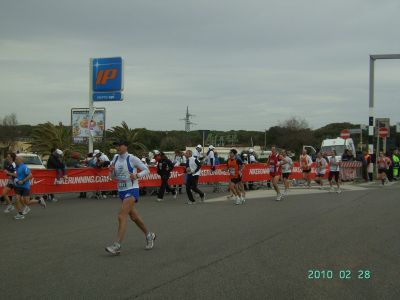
246	64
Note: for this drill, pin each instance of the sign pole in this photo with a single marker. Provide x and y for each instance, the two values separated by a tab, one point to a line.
384	145
377	154
91	111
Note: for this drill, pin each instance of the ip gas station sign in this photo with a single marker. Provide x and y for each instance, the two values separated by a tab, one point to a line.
107	79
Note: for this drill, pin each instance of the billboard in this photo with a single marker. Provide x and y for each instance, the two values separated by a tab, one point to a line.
80	125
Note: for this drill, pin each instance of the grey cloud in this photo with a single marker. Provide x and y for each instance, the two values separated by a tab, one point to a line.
237	64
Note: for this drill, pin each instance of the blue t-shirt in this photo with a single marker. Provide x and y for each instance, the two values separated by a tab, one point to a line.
22	172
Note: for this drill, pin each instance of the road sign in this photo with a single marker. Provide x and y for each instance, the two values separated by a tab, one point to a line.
345	134
113	96
107	74
382	122
383	132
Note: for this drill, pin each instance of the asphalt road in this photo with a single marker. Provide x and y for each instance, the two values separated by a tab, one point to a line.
261	250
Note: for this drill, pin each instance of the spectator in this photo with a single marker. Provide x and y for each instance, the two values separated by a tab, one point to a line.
55	163
396	162
100	159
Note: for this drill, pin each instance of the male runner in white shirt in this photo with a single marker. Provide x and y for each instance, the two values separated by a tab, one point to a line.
124	169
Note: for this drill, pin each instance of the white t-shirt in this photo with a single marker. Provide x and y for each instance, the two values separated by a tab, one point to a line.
210	156
122	173
321	165
196	154
333	164
193	166
252	158
287	167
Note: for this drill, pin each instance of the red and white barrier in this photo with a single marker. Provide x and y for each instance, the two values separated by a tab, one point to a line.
92	179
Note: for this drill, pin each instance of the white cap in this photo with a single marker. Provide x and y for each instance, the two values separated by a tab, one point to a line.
152	160
95	152
211	147
251	150
156	152
199	146
143	159
244	154
59	152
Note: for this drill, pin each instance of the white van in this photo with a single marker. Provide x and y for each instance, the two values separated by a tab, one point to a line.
339	145
32	161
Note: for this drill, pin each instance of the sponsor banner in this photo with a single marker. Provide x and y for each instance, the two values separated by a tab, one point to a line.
92	179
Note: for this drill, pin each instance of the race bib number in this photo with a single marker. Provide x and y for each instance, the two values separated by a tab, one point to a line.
272	169
232	171
122	185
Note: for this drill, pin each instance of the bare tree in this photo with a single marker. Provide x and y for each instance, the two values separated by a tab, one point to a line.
8	132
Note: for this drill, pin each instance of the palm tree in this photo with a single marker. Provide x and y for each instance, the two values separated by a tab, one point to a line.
48	136
132	136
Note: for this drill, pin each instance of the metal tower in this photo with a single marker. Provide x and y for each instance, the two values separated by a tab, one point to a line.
188	123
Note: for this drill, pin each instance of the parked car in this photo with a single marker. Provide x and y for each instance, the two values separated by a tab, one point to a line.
32	161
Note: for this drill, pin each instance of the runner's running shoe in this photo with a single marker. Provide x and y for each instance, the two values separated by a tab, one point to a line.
202	198
42	202
151	236
114	249
19	217
9	208
26	210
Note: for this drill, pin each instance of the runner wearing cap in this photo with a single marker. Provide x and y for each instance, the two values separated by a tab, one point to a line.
124	168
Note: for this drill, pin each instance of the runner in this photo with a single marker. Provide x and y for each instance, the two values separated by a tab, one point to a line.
305	165
10	172
383	163
286	165
179	160
321	169
334	171
275	171
22	190
235	166
164	168
192	177
124	169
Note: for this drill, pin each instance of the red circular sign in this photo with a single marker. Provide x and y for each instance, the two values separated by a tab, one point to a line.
345	134
383	132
